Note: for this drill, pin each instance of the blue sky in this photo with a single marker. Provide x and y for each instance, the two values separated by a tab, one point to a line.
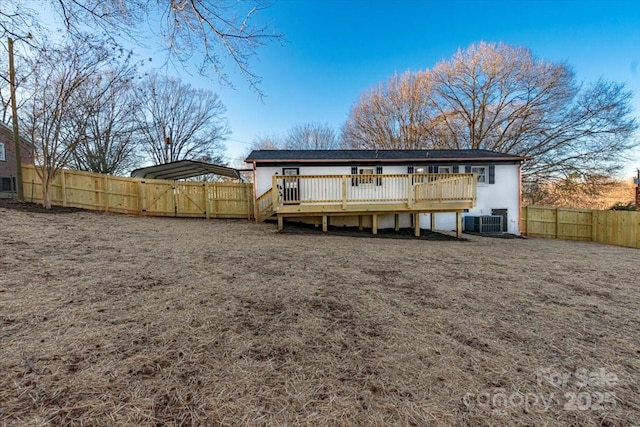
336	49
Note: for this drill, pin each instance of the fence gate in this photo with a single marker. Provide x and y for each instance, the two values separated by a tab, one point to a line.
158	198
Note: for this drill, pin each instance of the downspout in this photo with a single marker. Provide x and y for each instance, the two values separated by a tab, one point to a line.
255	195
520	199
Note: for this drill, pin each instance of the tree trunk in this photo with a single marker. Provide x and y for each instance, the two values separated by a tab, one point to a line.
46	190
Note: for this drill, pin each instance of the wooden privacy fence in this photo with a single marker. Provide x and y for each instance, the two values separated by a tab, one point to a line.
136	196
620	228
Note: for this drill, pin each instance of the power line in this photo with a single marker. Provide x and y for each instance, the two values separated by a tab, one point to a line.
237	140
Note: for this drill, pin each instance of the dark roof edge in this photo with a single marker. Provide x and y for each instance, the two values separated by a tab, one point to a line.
187	164
399	160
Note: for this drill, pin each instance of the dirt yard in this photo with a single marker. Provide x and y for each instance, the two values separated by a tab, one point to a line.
116	320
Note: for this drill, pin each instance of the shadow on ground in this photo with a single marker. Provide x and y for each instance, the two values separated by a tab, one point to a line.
387	233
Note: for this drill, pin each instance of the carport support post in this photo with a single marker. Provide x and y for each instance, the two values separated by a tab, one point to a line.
458	224
374	224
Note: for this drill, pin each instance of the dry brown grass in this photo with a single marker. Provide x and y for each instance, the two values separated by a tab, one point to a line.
114	320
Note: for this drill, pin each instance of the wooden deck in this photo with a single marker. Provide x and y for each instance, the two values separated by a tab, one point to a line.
325	196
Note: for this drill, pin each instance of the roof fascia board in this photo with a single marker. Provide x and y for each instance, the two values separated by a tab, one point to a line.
408	160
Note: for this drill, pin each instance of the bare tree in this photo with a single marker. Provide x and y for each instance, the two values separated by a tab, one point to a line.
58	76
204	32
179	122
311	136
395	115
582	192
499	97
307	136
106	127
267	142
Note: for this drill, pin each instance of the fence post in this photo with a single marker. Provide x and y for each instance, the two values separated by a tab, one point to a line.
250	202
205	199
557	223
216	202
105	193
64	188
142	197
594	226
528	220
637	226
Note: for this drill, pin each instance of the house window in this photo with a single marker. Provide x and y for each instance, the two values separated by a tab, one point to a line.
420	171
444	169
7	184
2	153
368	176
481	171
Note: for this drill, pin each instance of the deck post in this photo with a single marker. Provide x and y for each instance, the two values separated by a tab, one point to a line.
410	191
416	224
432	218
344	192
374	224
324	223
360	226
458	224
280	222
397	218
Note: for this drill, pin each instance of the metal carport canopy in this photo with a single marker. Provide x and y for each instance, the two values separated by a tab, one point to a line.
183	169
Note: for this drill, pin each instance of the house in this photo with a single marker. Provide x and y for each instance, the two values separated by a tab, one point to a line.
8	159
431	189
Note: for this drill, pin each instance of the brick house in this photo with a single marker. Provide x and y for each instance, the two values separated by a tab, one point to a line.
8	159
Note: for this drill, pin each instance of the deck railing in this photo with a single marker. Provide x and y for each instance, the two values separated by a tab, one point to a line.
376	188
446	188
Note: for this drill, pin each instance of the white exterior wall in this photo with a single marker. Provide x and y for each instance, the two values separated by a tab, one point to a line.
504	194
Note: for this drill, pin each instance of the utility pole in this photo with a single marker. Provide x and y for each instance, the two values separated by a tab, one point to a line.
14	117
637	180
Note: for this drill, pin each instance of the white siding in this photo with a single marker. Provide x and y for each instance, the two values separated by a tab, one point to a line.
504	194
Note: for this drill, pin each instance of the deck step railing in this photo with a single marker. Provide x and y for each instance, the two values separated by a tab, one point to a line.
264	206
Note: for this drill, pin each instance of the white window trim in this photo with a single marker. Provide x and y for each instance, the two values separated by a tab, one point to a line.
420	170
485	174
3	152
